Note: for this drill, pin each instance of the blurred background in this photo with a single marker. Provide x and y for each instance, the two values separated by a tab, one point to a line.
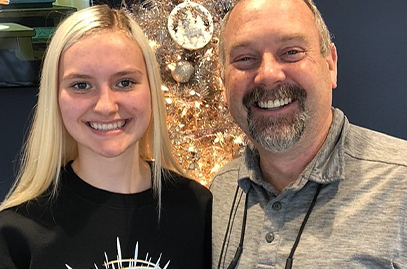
369	35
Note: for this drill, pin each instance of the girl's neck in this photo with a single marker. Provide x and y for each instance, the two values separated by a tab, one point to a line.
122	174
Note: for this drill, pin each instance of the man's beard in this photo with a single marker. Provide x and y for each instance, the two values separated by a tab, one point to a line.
277	134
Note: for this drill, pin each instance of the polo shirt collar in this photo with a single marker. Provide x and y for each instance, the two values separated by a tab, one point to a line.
327	166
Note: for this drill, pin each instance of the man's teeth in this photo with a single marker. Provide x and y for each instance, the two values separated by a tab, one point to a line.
107	127
274	104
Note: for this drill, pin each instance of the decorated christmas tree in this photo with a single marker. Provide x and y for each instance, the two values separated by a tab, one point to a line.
184	35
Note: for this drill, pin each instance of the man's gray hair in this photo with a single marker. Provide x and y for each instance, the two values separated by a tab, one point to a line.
324	35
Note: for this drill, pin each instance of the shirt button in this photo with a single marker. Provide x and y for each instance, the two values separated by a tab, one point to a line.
269	237
277	206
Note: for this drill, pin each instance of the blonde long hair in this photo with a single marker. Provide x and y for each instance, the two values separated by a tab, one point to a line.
49	147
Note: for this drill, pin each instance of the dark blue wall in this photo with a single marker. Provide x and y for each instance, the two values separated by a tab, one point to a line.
15	109
371	38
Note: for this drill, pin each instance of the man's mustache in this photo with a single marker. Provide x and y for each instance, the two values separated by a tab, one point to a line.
280	92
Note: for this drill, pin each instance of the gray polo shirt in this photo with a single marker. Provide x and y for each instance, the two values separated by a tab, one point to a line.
359	219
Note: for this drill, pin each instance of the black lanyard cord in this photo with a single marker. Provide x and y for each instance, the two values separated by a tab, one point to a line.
289	262
239	250
228	227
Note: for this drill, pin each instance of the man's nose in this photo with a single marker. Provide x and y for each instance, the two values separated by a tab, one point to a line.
270	71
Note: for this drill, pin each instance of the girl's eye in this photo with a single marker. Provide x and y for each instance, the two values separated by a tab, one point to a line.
125	83
81	86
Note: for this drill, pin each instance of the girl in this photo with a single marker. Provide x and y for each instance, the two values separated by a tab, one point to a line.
98	186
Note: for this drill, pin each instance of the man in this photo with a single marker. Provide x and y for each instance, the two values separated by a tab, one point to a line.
311	190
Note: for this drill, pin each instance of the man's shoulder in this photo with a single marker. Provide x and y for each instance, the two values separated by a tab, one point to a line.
231	167
227	175
370	145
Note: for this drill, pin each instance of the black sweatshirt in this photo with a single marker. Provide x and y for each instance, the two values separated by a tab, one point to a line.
83	225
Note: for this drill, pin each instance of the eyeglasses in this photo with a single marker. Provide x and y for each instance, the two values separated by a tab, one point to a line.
290	259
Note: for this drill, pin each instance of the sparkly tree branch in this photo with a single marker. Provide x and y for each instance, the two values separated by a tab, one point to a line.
184	35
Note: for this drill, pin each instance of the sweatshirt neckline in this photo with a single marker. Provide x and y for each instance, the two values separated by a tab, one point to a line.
80	189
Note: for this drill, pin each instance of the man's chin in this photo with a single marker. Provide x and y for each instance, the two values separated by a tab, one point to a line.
277	138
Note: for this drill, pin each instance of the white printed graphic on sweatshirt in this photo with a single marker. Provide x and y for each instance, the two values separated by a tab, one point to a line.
130	263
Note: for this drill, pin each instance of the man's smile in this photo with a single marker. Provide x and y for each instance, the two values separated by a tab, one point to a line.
277	103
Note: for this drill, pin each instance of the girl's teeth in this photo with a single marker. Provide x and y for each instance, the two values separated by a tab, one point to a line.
107	127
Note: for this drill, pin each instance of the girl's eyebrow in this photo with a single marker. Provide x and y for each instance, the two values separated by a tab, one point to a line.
75	76
129	71
84	76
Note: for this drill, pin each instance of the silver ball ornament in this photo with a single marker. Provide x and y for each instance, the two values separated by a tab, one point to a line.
183	71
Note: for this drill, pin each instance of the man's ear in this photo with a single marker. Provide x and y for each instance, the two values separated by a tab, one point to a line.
221	71
332	62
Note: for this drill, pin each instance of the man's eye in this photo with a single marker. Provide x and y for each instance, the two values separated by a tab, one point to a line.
292	52
244	62
293	55
244	59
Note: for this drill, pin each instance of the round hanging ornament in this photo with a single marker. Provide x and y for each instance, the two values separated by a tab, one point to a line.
183	71
190	25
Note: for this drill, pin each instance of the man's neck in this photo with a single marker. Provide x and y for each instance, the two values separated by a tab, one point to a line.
282	168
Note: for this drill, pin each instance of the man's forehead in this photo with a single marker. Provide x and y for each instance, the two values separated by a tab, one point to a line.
284	15
277	39
248	8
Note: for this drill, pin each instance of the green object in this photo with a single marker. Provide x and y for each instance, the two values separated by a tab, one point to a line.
43	34
43	20
17	37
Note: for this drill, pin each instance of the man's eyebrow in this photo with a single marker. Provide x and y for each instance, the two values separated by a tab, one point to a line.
240	45
282	39
294	37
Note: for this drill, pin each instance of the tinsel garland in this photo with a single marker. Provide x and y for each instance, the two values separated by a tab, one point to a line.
202	132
